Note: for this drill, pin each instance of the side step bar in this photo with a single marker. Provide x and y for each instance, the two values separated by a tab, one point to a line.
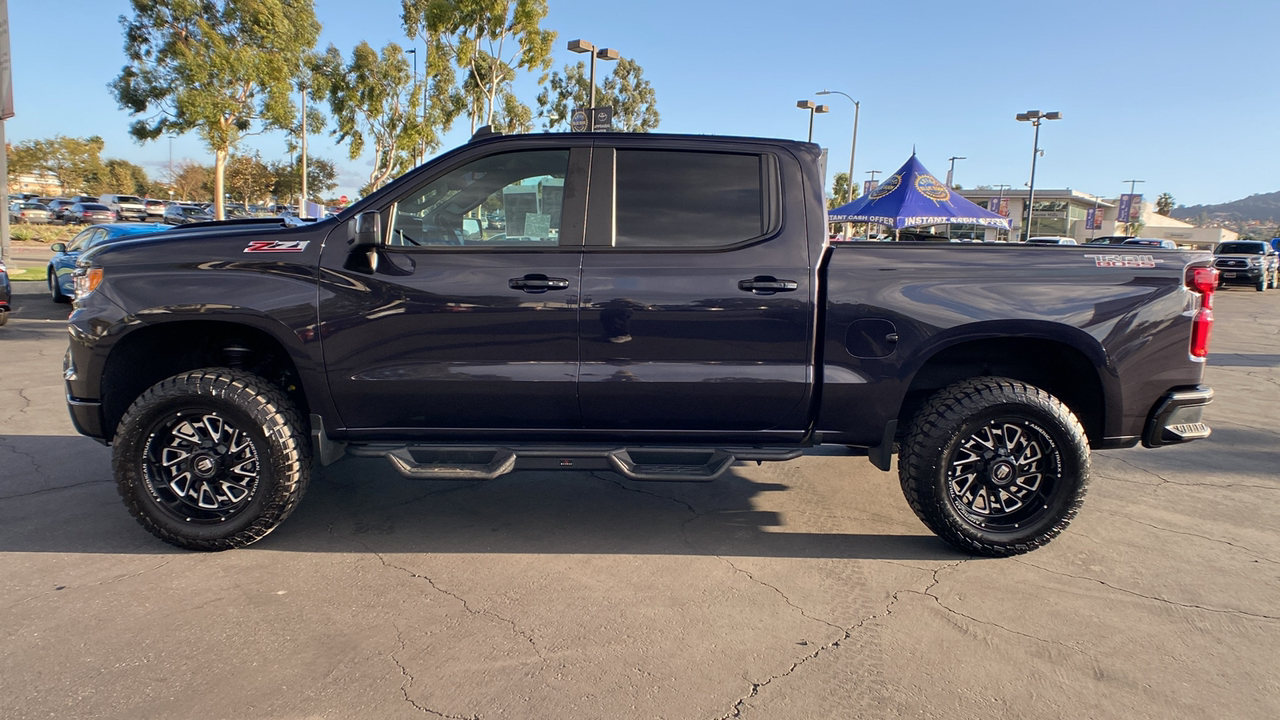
476	462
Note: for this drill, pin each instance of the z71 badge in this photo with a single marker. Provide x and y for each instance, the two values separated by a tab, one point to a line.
277	246
1124	261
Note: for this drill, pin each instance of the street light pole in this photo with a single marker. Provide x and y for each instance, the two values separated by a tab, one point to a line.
582	46
1035	117
952	170
853	150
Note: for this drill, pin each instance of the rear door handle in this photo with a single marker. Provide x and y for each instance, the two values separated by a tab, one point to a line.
534	283
767	285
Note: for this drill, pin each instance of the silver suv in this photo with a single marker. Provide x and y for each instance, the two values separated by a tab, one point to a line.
1247	262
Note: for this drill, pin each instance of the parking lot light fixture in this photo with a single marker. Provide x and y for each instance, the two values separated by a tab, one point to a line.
582	46
1035	117
813	109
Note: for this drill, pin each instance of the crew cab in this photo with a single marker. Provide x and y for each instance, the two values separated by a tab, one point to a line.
658	306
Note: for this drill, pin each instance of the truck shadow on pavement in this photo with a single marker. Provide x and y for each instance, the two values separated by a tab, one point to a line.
363	506
58	496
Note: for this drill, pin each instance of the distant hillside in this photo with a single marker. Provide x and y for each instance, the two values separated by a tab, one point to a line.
1263	208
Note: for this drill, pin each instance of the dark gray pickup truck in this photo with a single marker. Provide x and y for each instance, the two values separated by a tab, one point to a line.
658	306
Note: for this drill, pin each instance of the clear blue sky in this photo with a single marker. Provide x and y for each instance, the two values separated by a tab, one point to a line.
1177	93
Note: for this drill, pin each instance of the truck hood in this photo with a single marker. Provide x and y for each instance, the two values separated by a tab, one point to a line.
229	239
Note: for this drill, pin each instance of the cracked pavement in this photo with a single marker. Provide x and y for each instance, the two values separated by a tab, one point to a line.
795	590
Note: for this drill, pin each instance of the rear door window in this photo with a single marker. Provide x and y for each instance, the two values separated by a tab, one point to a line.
684	199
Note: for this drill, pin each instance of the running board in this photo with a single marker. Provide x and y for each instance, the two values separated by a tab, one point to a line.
653	464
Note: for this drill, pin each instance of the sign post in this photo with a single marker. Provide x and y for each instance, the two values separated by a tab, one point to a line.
6	112
591	119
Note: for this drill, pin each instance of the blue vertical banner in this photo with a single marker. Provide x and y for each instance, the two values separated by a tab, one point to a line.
1122	208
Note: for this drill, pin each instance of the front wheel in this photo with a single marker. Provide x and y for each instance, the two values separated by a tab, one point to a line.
211	459
55	289
1262	284
994	466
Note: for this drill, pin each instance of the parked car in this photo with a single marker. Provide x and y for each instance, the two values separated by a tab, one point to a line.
216	359
182	214
58	209
1051	240
1152	243
84	198
155	209
126	207
6	293
62	265
88	213
29	212
1109	240
1247	262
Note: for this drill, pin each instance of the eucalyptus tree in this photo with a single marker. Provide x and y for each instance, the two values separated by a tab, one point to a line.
490	42
635	104
374	103
221	68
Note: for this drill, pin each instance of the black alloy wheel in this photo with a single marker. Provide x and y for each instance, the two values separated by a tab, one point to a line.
212	459
201	467
1001	476
994	466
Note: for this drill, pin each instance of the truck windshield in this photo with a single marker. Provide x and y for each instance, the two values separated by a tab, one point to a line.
1241	249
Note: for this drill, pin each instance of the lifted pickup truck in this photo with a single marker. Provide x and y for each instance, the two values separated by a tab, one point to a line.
657	306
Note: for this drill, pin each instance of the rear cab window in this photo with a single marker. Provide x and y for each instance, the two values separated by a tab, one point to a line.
676	199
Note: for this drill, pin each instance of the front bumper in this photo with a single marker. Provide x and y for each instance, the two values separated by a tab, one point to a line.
1177	417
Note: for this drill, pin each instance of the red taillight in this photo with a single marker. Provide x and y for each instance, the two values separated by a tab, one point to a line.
1203	280
1201	327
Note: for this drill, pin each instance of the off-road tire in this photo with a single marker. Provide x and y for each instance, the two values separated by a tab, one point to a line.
956	413
4	316
1262	284
55	290
250	405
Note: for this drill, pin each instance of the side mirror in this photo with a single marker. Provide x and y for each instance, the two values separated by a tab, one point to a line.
58	247
366	238
368	232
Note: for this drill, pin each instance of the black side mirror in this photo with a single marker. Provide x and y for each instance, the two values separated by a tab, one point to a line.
58	247
367	234
366	238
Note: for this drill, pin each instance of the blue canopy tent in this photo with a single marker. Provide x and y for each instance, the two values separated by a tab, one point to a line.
911	197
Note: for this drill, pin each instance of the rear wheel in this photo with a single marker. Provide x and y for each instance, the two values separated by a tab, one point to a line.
995	466
211	459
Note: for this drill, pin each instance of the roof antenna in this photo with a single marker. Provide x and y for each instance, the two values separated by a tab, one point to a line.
484	131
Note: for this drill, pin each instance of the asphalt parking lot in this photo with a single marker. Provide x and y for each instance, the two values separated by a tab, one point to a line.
798	590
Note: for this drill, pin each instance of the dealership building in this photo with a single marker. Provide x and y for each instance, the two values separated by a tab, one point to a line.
1066	213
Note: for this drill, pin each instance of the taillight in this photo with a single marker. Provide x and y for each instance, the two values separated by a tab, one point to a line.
1203	280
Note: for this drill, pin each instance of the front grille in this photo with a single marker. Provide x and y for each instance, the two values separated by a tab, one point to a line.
1229	263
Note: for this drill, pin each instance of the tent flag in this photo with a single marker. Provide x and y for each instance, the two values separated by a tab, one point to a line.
912	196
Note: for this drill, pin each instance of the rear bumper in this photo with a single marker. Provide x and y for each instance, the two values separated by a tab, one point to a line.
1177	417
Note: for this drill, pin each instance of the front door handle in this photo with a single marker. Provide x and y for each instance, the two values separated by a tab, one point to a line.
767	285
537	283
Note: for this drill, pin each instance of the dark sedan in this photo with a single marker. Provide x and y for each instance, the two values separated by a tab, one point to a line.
63	263
58	208
85	213
184	214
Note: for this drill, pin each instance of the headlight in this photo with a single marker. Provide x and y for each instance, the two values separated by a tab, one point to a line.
1255	261
87	280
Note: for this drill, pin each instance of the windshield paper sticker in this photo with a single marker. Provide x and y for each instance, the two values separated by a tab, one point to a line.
256	246
1124	261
